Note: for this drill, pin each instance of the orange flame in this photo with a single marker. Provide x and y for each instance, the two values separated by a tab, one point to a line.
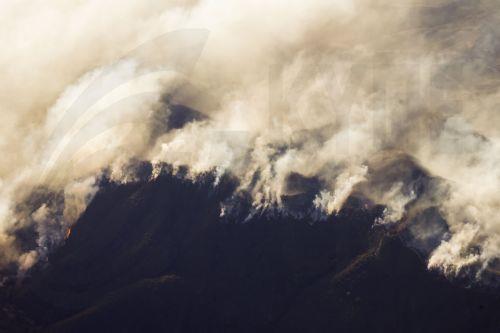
68	232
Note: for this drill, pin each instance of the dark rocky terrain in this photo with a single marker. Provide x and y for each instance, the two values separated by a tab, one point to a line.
154	256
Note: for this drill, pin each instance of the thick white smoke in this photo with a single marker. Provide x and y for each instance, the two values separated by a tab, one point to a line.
395	103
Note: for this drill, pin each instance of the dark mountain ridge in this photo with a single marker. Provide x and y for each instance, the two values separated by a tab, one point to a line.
155	255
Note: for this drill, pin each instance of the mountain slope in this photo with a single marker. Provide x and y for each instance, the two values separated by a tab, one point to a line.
156	256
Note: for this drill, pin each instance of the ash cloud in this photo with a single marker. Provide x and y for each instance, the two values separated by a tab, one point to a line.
311	101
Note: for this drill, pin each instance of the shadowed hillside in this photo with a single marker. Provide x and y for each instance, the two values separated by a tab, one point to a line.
155	256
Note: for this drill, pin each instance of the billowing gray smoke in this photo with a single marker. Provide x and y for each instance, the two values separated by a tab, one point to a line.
394	102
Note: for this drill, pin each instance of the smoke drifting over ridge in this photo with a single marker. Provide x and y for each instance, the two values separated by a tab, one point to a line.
395	103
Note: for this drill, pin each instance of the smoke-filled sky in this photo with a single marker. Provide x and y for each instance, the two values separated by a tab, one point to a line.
395	102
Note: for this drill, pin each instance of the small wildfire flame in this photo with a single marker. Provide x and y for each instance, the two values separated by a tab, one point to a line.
68	233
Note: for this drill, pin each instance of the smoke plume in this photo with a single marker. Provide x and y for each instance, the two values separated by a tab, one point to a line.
391	102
